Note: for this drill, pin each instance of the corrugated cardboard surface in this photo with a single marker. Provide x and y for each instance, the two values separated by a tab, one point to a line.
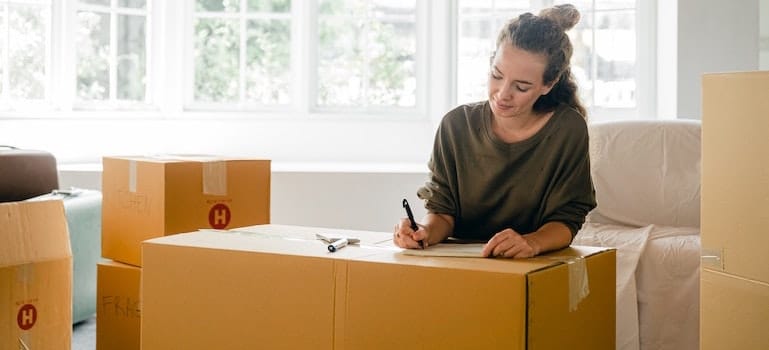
734	312
275	291
211	298
118	313
552	326
145	198
735	172
35	276
392	305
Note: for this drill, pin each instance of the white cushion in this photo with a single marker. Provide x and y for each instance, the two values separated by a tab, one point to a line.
646	172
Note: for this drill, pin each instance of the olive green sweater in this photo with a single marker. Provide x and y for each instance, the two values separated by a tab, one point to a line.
488	185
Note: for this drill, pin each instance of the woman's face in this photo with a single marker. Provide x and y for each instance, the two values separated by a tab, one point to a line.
515	81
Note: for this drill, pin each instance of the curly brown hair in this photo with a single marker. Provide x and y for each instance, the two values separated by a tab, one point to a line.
546	34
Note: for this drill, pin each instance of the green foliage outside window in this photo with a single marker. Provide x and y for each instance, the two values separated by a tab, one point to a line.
266	71
217	63
366	54
26	57
93	56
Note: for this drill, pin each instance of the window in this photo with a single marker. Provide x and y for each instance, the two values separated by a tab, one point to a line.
111	46
25	51
358	80
604	41
366	53
242	52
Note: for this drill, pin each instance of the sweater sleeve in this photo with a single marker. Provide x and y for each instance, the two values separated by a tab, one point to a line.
573	195
438	191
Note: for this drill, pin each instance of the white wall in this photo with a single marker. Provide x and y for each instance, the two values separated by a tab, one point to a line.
361	198
713	36
764	36
667	60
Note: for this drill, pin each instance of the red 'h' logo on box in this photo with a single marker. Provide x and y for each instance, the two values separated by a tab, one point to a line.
219	216
26	317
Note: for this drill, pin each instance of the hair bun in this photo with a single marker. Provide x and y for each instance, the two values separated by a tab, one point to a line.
565	16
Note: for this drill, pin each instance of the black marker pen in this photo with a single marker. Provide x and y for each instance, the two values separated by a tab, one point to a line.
338	244
411	219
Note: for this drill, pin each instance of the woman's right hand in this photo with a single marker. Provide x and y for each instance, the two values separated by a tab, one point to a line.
405	237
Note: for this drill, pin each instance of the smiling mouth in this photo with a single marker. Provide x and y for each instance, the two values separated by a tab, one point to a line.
501	106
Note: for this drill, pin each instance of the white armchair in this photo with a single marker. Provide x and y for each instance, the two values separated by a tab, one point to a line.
647	181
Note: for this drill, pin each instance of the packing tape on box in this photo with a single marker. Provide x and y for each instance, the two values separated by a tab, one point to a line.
215	178
214	172
579	285
132	176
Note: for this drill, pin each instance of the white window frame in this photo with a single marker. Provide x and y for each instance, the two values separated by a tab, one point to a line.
645	75
112	102
311	135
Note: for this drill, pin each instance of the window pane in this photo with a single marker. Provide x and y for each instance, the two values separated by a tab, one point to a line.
604	40
27	51
497	8
340	69
133	3
472	7
217	65
514	5
268	61
367	53
392	80
3	45
585	7
93	55
476	44
582	58
96	2
615	44
614	4
218	5
331	7
131	60
269	5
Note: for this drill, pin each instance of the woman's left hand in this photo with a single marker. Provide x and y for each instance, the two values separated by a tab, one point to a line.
511	244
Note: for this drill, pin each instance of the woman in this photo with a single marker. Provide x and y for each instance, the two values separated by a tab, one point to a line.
513	170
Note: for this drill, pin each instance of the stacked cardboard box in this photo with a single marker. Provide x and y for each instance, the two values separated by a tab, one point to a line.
278	287
148	197
118	312
735	220
35	276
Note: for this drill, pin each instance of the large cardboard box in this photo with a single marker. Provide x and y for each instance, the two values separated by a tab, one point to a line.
735	173
277	287
735	312
146	197
35	276
735	225
118	313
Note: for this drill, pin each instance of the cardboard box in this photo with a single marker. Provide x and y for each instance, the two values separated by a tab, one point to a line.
735	173
118	313
276	286
35	276
147	197
734	312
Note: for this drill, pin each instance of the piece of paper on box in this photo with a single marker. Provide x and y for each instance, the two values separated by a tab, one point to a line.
466	250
